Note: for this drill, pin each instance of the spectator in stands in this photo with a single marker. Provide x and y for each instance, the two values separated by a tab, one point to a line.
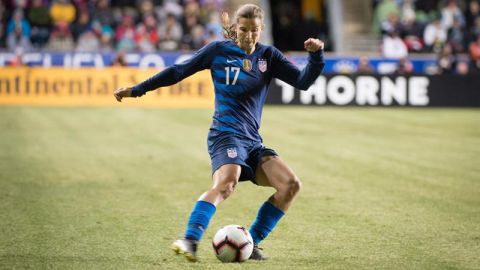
191	17
434	36
195	39
18	20
106	41
382	12
83	4
214	27
394	47
105	35
103	13
125	34
119	60
81	25
450	13
474	51
127	24
446	60
127	43
88	42
146	8
456	36
62	11
170	33
143	39
150	23
39	17
192	8
364	66
210	36
61	39
412	32
405	67
473	12
169	7
18	31
474	31
16	40
207	8
200	24
407	9
462	68
392	24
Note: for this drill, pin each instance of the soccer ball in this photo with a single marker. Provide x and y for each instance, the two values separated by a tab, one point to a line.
233	243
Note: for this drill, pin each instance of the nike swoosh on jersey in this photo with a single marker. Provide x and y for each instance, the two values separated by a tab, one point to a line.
231	61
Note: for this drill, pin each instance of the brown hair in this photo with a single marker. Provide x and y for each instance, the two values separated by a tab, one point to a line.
248	11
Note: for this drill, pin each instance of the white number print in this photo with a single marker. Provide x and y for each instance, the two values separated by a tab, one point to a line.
235	77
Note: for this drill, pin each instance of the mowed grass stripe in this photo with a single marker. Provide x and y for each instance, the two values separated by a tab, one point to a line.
83	178
409	169
112	187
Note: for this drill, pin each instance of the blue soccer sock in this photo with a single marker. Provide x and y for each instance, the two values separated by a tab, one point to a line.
199	218
267	218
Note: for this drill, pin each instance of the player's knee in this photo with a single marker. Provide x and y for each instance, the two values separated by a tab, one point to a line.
226	191
227	188
293	185
225	180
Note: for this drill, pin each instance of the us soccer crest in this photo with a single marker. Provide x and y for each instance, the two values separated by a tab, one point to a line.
262	65
231	152
247	65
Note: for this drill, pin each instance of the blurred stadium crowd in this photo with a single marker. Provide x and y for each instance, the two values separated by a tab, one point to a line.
105	25
446	29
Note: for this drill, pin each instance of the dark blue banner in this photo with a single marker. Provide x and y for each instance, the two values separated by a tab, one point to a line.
344	65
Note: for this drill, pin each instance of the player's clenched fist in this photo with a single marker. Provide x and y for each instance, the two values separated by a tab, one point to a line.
313	45
122	92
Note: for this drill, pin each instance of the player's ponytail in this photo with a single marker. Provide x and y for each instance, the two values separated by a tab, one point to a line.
248	11
228	28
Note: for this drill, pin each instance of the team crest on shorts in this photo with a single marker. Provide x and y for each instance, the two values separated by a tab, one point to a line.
262	65
232	152
247	65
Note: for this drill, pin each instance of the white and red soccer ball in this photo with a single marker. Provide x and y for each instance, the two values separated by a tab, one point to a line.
233	243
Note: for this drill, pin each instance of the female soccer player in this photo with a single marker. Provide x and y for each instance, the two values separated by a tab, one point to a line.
241	70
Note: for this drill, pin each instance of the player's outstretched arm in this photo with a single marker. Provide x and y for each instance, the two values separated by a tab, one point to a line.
171	75
122	92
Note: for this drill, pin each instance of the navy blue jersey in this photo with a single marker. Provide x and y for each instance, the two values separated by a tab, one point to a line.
240	80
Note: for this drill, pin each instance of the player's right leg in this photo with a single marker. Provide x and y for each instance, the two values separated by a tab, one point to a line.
225	180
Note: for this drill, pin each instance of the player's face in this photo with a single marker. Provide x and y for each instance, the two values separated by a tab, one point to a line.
248	33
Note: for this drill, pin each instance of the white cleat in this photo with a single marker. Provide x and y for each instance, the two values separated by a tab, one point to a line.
187	248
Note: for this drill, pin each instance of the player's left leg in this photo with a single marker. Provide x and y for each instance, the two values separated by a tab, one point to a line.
273	172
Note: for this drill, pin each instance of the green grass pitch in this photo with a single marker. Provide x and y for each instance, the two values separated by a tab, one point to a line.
111	188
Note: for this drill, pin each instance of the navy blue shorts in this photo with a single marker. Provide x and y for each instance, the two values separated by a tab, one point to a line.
230	149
